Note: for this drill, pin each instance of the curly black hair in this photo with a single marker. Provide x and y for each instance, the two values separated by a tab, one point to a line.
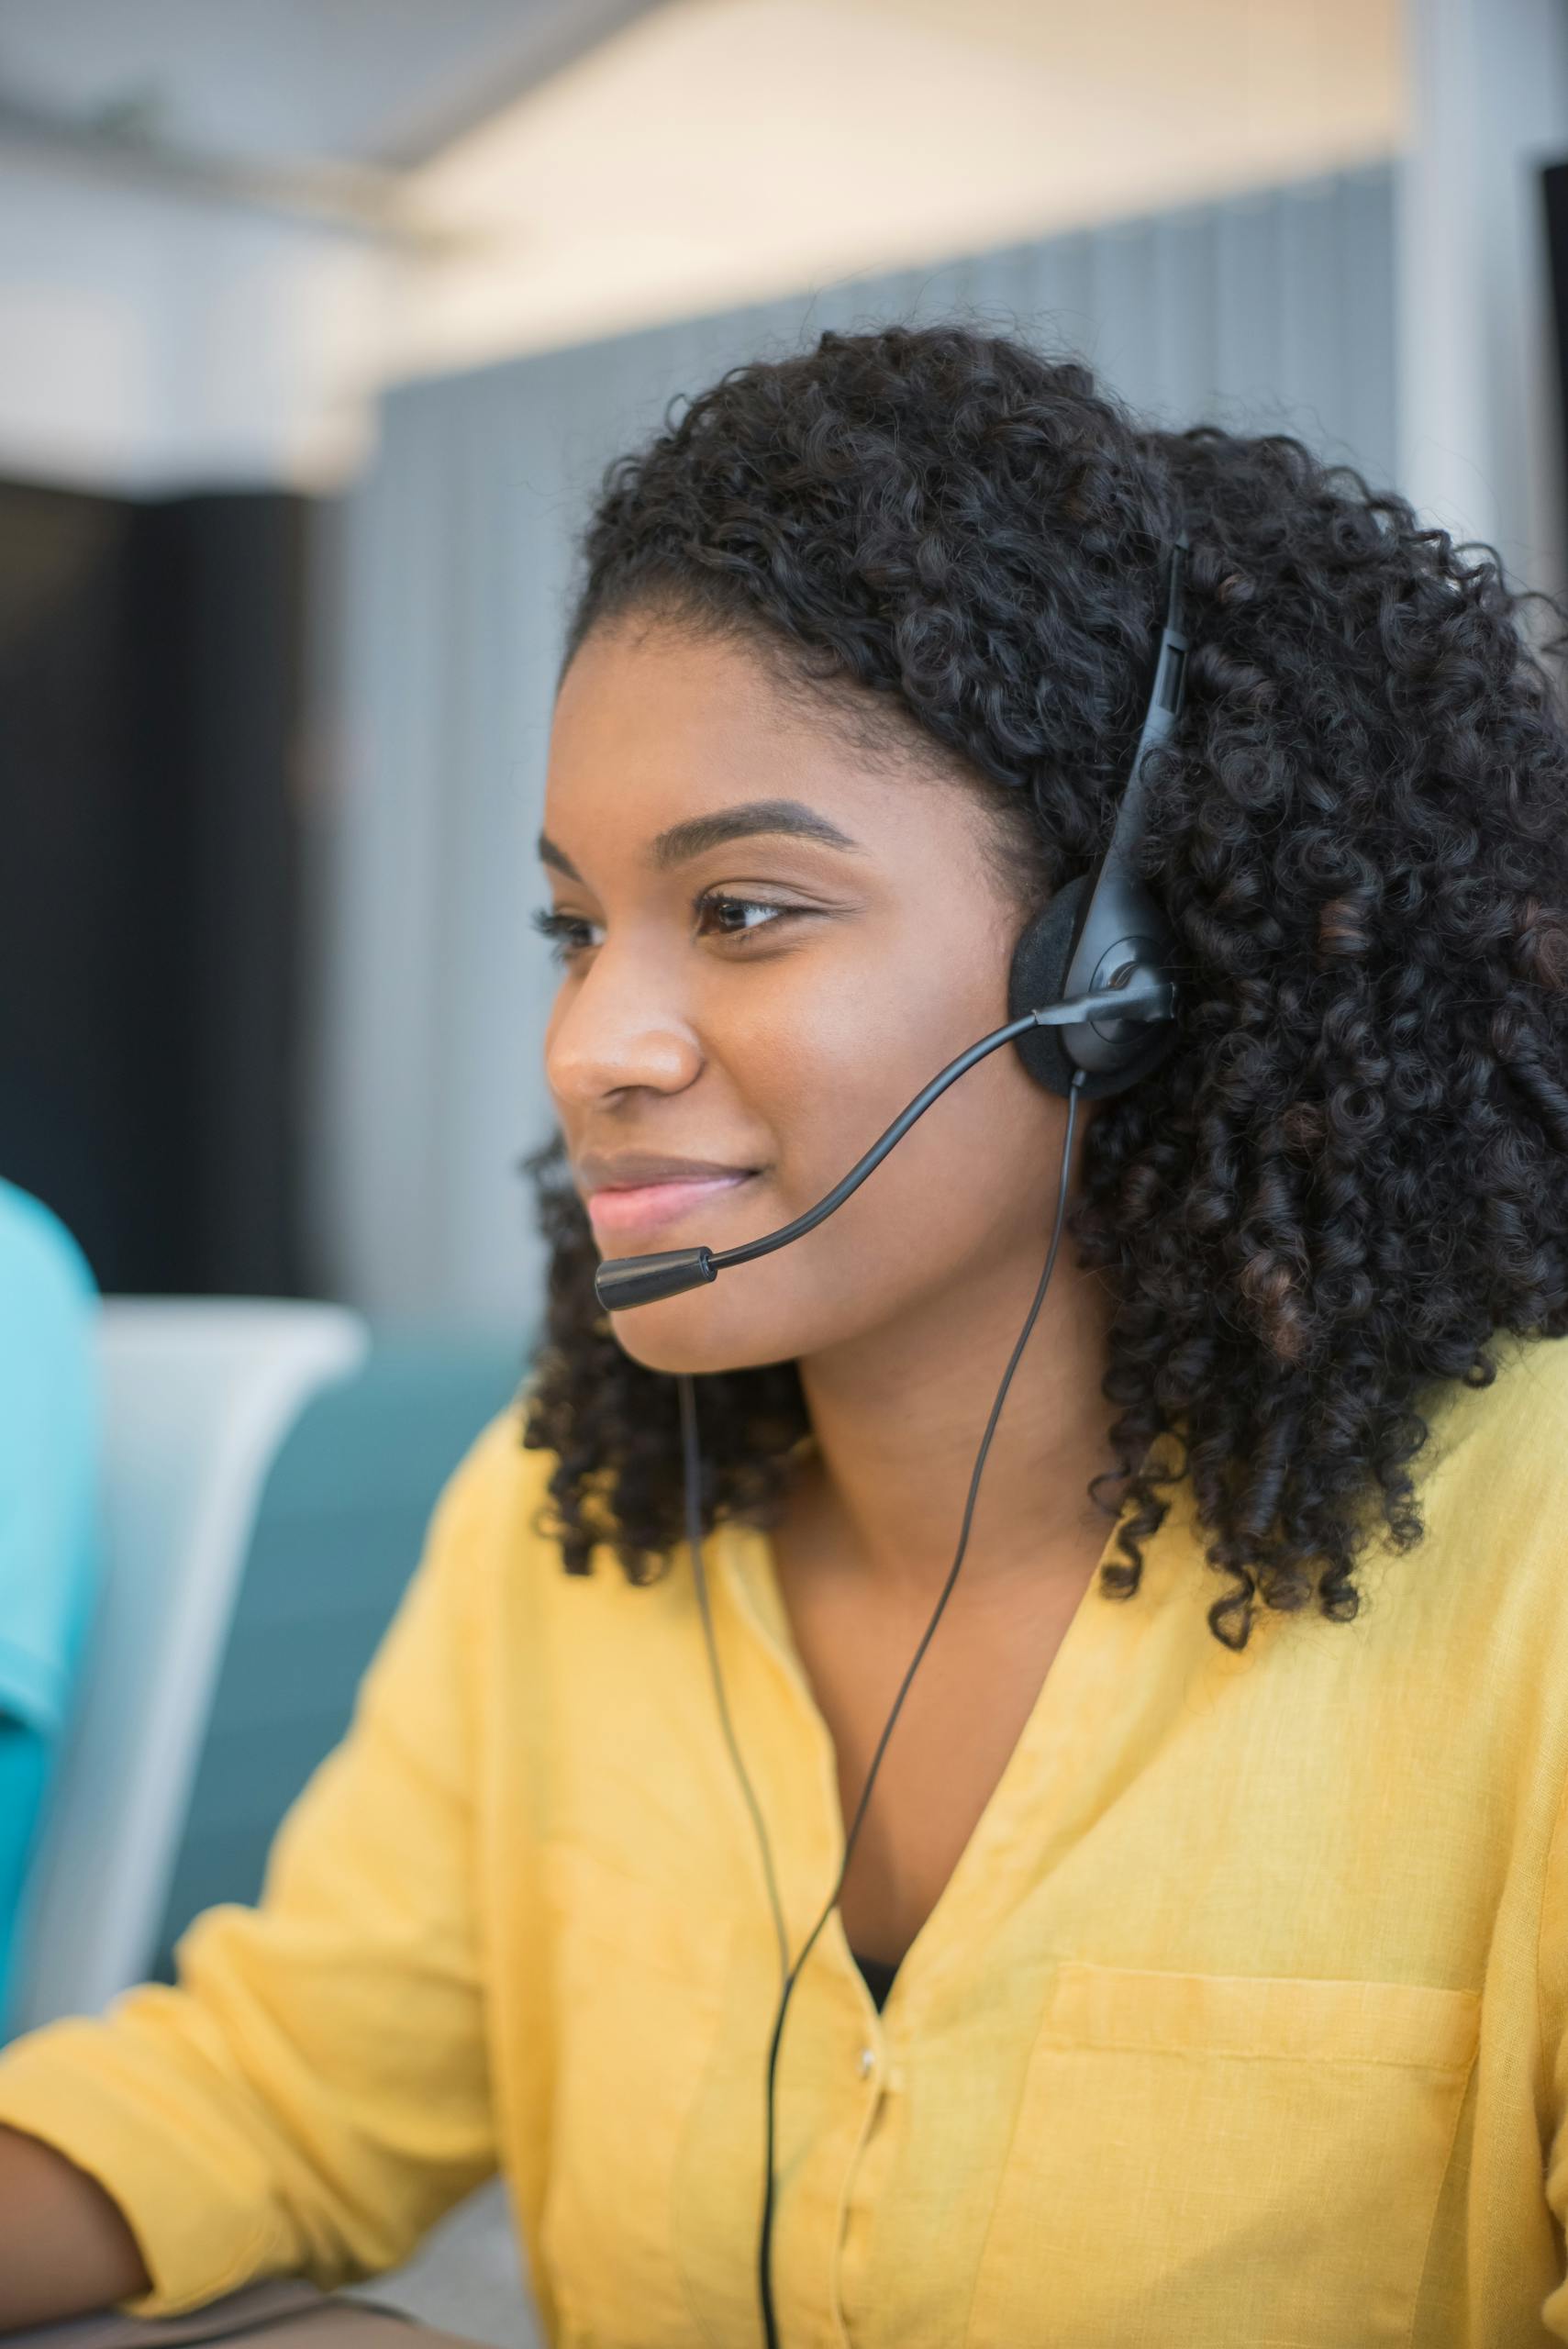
1352	1170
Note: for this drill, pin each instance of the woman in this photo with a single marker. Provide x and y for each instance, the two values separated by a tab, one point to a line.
1216	1866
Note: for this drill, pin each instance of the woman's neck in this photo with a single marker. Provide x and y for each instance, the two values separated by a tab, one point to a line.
898	1418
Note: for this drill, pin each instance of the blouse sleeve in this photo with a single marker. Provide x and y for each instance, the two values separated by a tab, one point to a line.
314	2092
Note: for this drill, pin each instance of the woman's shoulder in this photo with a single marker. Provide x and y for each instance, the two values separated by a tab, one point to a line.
1491	1486
492	1499
1502	1449
496	1517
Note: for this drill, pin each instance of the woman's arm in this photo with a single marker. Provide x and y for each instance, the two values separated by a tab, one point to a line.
65	2248
314	2092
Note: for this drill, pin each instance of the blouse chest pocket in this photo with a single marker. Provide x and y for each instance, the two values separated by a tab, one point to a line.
1234	2160
639	1976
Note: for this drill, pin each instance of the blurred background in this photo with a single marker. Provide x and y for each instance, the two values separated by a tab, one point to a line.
319	319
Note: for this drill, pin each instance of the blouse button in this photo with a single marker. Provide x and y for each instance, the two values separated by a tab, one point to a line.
868	2062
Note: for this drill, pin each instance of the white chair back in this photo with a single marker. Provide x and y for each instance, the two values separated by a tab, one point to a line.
198	1396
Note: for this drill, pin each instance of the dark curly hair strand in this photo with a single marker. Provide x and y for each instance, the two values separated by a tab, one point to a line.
1352	1171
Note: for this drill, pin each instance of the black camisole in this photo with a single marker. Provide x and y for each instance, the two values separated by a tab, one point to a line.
879	1979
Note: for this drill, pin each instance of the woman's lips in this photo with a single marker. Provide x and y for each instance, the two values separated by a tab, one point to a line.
646	1205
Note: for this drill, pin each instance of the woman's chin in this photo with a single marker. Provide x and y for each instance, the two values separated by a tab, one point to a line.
684	1336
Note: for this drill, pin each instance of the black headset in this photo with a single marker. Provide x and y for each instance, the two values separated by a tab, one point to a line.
1092	1004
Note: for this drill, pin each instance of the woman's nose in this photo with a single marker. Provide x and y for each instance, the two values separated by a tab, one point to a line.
614	1031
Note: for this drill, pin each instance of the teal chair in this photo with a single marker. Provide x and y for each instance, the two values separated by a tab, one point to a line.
338	1529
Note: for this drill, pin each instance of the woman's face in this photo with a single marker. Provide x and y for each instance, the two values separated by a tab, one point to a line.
781	1034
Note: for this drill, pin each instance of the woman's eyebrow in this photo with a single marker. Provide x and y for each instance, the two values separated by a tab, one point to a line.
679	842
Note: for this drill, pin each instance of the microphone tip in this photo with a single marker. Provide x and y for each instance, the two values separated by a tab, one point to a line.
623	1281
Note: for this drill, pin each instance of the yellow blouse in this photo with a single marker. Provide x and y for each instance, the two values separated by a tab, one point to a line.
1243	2022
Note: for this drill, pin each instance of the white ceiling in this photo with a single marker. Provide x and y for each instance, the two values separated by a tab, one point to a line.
723	152
268	81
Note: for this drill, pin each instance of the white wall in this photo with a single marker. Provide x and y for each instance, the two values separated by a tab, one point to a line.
1479	430
150	341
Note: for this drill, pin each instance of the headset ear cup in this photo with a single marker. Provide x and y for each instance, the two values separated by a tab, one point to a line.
1039	974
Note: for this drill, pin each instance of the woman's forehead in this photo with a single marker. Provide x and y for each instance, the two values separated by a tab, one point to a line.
664	726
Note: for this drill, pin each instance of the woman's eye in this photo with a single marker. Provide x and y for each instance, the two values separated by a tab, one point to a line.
742	906
564	931
560	929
